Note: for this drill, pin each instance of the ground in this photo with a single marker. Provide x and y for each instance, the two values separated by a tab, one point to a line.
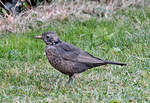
27	76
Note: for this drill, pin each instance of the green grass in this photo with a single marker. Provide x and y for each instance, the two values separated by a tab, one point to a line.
26	75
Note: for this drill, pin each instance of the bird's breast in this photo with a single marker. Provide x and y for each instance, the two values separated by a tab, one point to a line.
53	55
55	59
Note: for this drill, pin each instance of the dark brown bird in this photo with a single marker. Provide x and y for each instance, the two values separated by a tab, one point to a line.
67	58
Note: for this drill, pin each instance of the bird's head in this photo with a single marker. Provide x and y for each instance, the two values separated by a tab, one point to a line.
50	38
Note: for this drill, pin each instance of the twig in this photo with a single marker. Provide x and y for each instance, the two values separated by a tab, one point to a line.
5	6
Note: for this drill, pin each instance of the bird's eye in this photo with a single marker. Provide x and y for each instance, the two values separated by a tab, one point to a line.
47	37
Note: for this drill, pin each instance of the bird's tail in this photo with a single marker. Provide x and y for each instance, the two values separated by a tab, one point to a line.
115	63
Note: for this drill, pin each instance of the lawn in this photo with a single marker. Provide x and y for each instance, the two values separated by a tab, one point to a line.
27	76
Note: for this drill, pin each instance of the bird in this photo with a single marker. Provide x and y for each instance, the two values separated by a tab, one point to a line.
69	59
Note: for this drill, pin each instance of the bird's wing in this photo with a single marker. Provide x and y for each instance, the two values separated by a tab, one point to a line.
72	53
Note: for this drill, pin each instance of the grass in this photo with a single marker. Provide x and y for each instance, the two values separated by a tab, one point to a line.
26	75
63	10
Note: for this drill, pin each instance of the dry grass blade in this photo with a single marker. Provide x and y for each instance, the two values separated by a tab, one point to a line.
61	10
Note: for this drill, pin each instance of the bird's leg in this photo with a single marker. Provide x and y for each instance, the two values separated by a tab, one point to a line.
71	78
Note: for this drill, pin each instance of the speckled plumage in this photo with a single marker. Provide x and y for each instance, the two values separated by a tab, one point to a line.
67	58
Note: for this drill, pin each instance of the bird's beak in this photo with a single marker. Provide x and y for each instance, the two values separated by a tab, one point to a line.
38	37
